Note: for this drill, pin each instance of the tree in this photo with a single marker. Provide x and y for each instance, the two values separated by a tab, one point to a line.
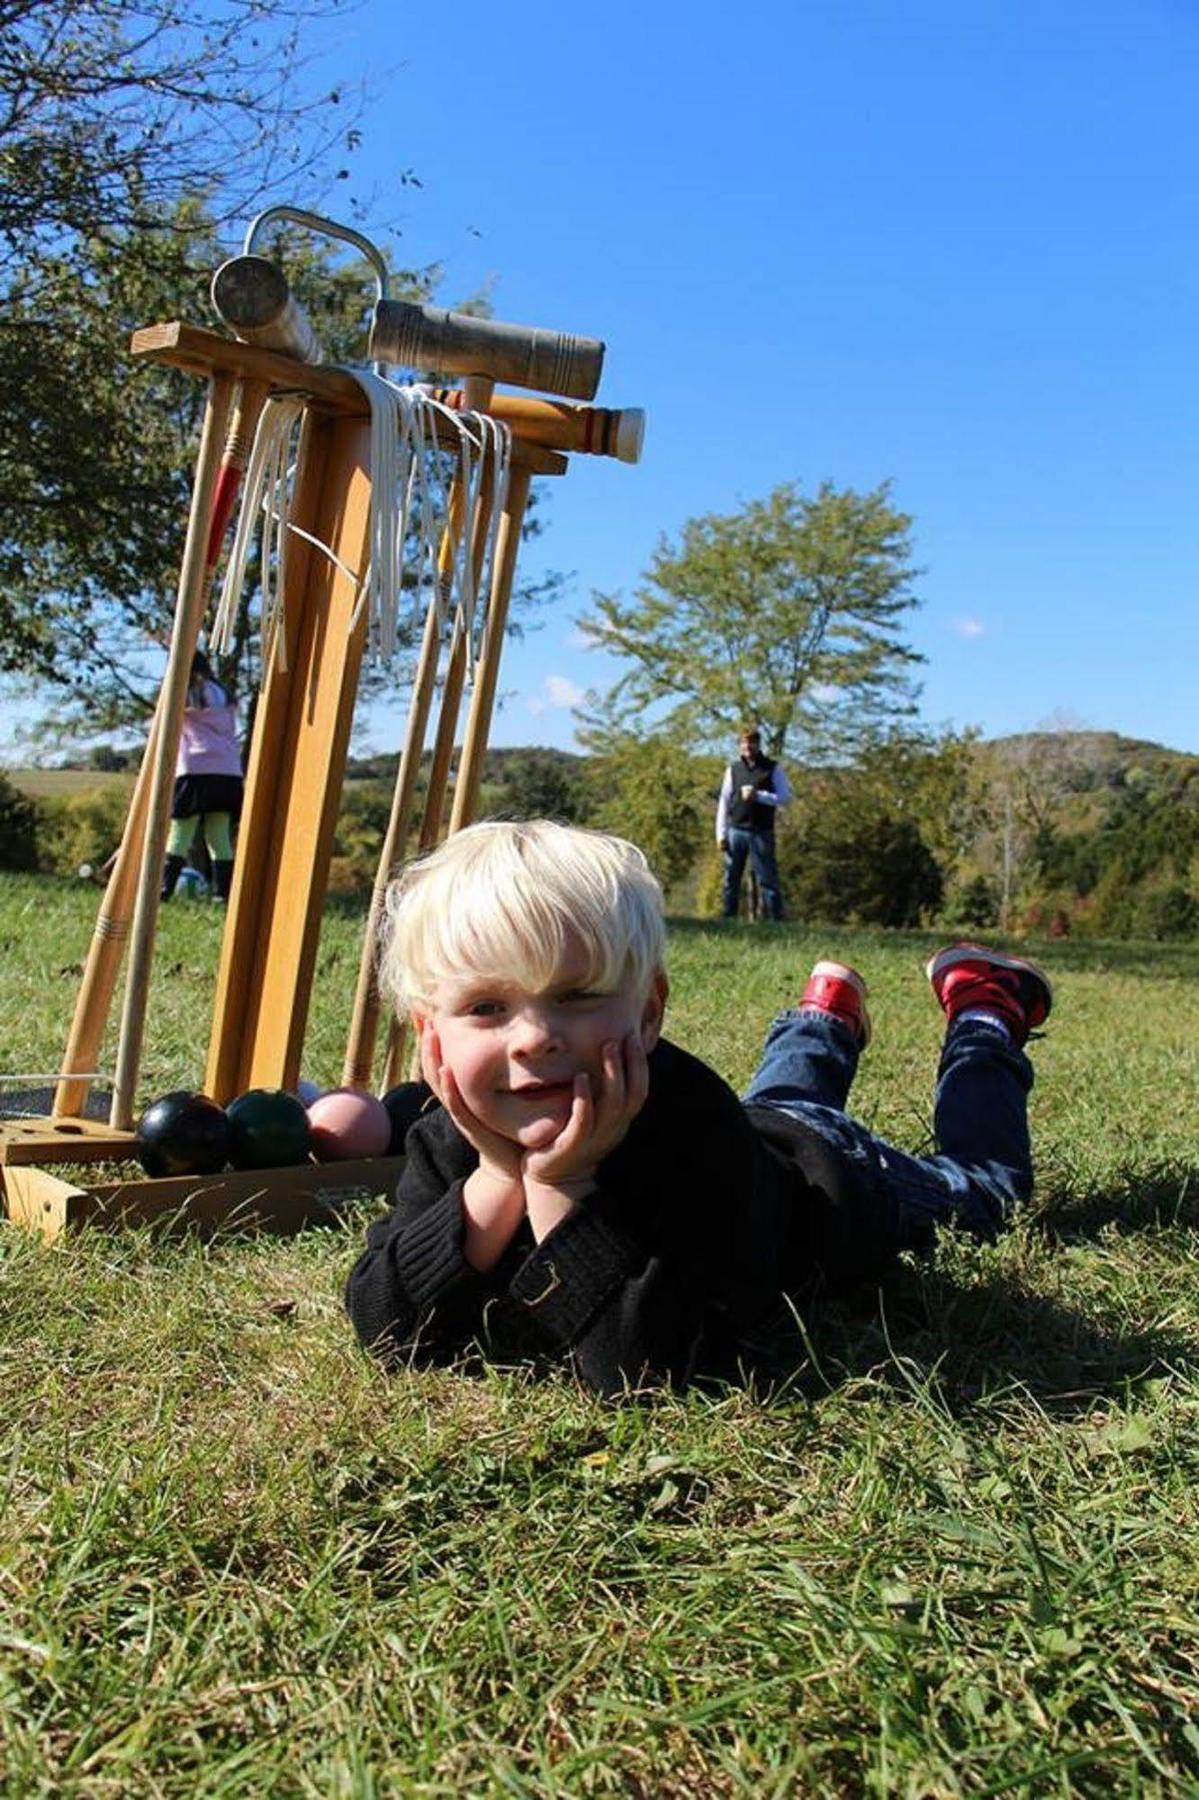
535	784
787	612
115	117
131	133
936	779
849	856
97	455
111	111
652	791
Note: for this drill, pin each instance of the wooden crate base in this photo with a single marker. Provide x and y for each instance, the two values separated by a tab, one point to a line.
42	1140
282	1201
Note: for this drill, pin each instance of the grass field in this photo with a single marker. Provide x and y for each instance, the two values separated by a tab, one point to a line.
956	1556
51	784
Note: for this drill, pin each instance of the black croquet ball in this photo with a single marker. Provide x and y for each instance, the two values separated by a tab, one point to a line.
182	1134
405	1104
268	1129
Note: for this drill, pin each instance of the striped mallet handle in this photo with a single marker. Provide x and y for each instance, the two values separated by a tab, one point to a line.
594	430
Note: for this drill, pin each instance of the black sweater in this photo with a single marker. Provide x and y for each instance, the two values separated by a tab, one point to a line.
705	1217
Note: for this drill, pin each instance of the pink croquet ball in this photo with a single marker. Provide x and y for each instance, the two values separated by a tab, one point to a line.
346	1123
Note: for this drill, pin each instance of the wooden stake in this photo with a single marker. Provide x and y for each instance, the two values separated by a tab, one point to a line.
189	612
107	946
364	1021
482	705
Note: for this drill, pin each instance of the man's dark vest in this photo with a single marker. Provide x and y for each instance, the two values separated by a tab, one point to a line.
748	815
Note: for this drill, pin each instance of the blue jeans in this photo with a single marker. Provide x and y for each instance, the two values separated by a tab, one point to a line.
983	1162
758	846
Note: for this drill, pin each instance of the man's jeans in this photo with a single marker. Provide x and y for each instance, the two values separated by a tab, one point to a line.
758	846
983	1162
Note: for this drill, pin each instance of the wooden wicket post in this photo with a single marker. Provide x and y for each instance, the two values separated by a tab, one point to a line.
189	615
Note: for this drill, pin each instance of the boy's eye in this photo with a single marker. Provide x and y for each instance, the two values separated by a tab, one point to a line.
484	1009
575	994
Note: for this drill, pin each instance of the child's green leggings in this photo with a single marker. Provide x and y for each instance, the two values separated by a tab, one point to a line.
216	836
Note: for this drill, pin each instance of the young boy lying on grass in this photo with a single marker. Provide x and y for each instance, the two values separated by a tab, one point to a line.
582	1187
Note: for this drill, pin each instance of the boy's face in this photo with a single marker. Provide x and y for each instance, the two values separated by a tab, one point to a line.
514	1053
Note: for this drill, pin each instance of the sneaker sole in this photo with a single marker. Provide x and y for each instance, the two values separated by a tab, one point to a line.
842	972
951	958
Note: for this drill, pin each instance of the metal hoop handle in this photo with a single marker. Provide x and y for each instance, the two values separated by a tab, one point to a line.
328	228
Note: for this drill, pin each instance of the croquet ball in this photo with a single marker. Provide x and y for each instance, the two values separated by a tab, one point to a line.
183	1134
346	1123
268	1129
308	1091
405	1104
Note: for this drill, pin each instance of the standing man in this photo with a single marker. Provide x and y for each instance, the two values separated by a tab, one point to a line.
751	793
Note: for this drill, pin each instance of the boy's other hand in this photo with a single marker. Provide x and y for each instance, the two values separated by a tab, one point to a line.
597	1123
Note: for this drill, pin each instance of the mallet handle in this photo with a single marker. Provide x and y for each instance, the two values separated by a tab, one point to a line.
412	336
189	612
364	1020
253	297
593	430
478	719
107	946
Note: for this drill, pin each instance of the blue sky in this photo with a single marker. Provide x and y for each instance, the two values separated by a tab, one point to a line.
953	247
950	247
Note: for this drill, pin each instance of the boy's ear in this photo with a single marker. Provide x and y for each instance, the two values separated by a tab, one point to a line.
655	1007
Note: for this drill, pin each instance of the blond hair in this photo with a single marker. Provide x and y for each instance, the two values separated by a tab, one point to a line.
511	902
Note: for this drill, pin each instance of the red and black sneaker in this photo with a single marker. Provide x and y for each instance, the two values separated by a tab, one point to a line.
970	978
835	988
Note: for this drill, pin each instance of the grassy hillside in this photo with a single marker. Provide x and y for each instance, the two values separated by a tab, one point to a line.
47	784
954	1557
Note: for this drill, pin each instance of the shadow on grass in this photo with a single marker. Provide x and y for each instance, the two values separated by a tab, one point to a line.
968	1341
1137	1200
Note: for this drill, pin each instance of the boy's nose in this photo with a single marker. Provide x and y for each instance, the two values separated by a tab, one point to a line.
534	1028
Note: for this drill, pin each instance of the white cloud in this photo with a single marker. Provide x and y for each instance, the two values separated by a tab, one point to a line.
825	692
969	628
536	706
561	691
580	639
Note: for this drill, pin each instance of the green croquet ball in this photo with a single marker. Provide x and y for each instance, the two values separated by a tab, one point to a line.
268	1129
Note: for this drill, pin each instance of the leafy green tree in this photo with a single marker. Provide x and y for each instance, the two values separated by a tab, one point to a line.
659	795
788	612
131	132
111	111
977	906
936	779
539	784
845	854
18	828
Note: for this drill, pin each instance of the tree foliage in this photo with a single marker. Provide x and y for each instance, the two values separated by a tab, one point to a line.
97	456
112	111
131	133
847	855
659	795
788	612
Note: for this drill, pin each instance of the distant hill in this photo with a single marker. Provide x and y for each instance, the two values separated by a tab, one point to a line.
1074	777
498	766
1109	755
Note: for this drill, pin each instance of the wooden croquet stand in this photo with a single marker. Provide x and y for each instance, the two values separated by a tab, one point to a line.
294	779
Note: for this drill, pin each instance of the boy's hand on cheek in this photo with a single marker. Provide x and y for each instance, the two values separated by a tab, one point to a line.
597	1123
497	1156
